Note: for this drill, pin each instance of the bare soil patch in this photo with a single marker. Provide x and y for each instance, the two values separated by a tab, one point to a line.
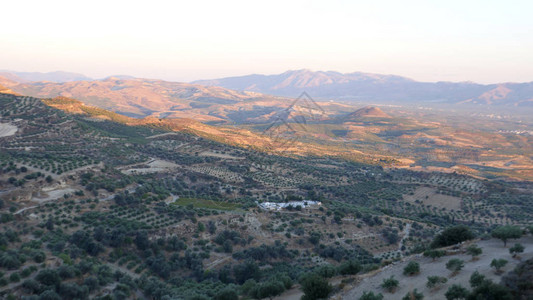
7	129
429	196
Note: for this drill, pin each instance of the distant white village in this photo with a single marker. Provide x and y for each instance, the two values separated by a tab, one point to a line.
293	204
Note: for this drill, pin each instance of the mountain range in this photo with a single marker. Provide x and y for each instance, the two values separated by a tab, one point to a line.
138	97
368	87
57	76
260	98
420	138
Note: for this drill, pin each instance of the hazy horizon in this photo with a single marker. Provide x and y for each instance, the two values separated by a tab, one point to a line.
241	75
479	41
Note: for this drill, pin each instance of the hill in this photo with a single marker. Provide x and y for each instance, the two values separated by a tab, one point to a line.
9	80
256	120
228	135
140	97
94	203
4	90
366	112
491	145
366	87
429	267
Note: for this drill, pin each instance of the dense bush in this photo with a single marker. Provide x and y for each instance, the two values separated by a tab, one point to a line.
451	236
48	277
70	290
265	252
245	271
456	292
349	268
520	280
490	290
49	295
315	287
476	279
10	260
412	268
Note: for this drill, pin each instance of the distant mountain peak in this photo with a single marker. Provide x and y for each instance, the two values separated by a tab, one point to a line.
363	87
293	82
119	77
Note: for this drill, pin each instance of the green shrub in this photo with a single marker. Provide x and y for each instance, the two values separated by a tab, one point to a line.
371	296
451	236
435	281
516	249
315	287
474	250
390	284
455	265
456	291
498	264
413	295
14	277
412	268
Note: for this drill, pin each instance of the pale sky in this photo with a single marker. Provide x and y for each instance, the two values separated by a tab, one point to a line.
484	41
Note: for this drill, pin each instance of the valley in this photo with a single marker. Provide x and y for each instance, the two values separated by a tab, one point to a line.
280	150
485	141
103	204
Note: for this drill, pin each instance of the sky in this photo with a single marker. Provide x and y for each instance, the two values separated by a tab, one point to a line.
484	41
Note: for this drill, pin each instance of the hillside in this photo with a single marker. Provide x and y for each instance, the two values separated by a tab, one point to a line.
94	204
366	112
366	87
4	90
429	267
140	97
228	135
494	145
8	81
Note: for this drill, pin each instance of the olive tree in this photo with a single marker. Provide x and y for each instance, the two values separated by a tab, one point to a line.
455	265
412	268
390	284
507	232
456	291
474	250
516	249
436	281
498	264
